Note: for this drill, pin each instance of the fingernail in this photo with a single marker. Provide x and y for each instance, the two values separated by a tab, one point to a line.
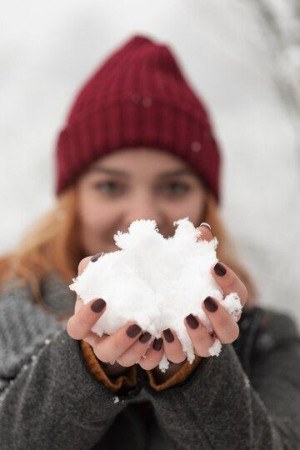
95	257
144	337
192	321
98	305
204	224
133	330
168	335
220	269
210	304
157	344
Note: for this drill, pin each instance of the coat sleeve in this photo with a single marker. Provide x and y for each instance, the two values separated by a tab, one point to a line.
219	406
116	384
48	397
179	377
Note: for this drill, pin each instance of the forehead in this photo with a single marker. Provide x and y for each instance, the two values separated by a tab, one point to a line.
141	159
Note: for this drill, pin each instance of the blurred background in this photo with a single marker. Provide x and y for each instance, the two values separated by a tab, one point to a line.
242	57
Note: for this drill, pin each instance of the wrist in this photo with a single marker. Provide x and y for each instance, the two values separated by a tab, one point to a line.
161	377
113	370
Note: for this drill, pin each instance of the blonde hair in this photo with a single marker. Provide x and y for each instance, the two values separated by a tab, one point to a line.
53	245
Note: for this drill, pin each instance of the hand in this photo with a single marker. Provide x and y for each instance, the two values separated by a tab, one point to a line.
225	327
123	348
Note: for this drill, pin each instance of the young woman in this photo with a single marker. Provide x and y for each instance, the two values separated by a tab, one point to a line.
138	144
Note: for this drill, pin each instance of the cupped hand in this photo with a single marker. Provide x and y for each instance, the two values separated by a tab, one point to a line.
130	345
121	349
225	328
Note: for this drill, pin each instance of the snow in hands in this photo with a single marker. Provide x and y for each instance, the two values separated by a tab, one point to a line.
156	282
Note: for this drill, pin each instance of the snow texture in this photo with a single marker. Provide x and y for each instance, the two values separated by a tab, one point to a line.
156	282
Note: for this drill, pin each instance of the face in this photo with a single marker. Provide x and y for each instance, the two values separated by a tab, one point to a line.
132	184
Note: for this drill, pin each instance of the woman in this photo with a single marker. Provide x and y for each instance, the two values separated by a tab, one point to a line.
137	144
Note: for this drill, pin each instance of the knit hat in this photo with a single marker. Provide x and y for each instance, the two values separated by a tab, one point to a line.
137	98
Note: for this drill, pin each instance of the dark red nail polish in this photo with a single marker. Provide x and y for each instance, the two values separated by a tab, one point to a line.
157	344
192	321
95	257
168	335
220	269
133	330
98	305
210	304
144	337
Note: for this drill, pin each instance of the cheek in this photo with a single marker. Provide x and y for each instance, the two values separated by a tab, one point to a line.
94	216
195	206
191	207
88	211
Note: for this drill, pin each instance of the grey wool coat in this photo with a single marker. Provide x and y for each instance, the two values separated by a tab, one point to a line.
247	398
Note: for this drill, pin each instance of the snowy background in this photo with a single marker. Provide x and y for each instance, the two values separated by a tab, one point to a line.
243	57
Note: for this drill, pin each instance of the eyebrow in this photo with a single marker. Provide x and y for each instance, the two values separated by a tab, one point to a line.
177	172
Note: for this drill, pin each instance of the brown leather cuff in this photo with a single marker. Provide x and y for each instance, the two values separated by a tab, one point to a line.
123	382
179	377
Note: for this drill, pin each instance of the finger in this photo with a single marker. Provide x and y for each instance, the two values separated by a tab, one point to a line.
83	263
117	343
93	339
199	335
153	355
79	324
81	267
78	305
225	327
205	230
229	281
136	351
173	347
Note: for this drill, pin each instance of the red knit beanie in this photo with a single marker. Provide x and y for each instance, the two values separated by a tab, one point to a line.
137	98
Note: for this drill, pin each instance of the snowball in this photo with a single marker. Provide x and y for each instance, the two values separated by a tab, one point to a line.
215	349
156	282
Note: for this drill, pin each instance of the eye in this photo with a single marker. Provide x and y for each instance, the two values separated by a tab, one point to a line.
177	187
108	186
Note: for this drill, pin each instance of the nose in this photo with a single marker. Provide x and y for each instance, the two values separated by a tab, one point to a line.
143	207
